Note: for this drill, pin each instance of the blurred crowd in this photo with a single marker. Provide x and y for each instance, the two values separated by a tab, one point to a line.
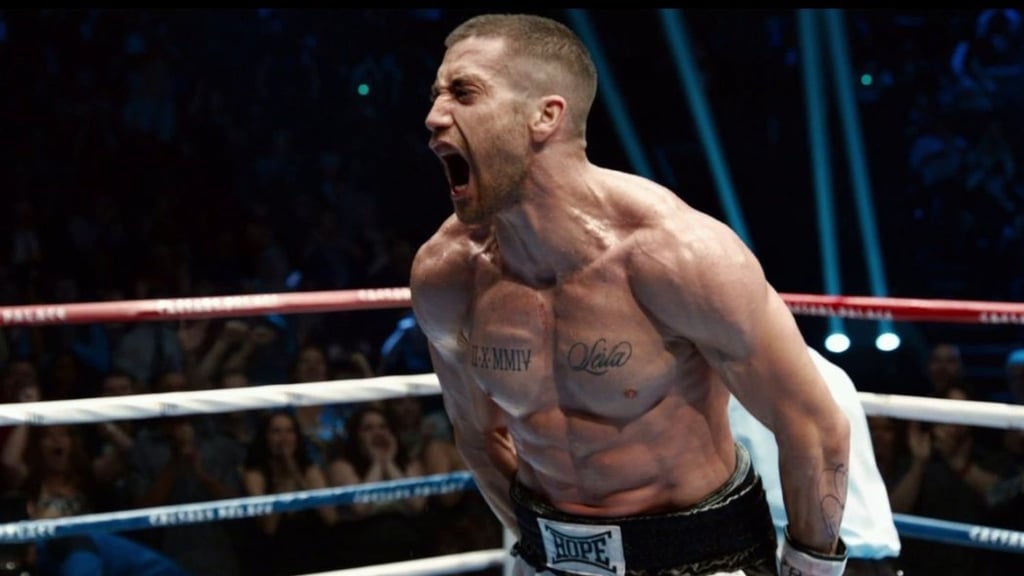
165	154
955	472
119	465
965	127
174	154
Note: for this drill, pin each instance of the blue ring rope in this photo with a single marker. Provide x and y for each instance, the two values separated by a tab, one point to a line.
971	535
233	508
931	529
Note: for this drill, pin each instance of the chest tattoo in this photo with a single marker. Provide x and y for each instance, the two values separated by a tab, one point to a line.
501	359
599	357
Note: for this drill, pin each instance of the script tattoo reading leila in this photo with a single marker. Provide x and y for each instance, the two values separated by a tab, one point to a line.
600	357
500	359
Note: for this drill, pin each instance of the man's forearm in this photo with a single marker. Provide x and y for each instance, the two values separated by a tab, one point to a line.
814	478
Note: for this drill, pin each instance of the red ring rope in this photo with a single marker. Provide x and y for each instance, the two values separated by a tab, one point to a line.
907	309
205	307
856	307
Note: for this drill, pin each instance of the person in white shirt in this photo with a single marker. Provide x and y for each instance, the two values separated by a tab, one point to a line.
867	527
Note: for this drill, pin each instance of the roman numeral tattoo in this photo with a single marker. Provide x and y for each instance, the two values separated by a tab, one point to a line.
501	359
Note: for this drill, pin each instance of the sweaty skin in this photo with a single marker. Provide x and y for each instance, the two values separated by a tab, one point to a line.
587	335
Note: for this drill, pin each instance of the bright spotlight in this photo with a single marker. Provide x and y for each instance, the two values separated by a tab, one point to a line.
887	342
837	343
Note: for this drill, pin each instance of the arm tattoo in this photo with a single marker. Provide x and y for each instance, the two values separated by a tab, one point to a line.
833	501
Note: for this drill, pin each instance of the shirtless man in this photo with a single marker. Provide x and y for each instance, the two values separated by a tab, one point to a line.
588	327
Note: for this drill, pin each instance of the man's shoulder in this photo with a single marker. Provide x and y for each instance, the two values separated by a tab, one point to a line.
676	234
447	255
656	214
683	261
442	276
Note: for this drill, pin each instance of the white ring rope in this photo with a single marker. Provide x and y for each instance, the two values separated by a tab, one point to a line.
221	400
141	406
944	410
450	564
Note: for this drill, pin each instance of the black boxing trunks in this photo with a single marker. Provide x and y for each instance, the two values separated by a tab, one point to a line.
728	531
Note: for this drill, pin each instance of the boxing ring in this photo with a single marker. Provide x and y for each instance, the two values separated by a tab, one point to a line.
145	406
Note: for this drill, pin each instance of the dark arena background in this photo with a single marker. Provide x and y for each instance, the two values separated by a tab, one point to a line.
194	153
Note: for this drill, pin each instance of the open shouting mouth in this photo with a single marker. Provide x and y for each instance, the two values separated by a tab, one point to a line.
456	168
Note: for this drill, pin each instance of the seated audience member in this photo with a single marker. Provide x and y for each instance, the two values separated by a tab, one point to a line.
289	542
99	553
176	462
378	532
321	425
946	477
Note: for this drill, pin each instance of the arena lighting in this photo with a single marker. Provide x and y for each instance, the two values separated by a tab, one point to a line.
837	343
678	36
887	341
839	48
580	21
821	166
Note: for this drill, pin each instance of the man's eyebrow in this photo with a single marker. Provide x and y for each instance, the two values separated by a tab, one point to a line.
459	81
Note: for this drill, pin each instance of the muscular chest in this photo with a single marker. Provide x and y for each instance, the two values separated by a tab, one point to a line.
585	345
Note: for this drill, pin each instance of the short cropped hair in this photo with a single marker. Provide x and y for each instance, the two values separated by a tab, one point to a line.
543	40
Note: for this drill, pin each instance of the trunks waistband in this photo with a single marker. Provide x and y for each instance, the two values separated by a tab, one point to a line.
729	530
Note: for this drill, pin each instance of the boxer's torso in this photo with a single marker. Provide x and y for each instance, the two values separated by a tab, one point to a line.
609	413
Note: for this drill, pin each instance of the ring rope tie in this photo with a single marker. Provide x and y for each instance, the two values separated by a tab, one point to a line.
853	307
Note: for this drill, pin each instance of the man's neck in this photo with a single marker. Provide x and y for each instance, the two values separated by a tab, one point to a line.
558	228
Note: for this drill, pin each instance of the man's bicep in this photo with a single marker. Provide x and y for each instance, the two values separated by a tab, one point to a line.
769	368
712	292
764	362
701	282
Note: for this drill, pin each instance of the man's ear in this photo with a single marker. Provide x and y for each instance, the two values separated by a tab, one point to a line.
549	116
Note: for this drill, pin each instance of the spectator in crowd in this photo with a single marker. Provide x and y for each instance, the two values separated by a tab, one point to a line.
289	542
947	477
101	553
178	460
377	532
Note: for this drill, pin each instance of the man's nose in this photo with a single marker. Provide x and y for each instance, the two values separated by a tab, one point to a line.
438	117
